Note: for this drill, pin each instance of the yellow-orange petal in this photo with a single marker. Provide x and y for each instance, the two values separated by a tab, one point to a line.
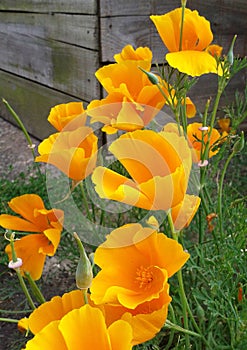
54	309
80	326
193	63
67	113
27	248
146	326
215	50
49	338
53	235
190	108
183	213
17	224
25	205
23	324
140	54
121	335
197	34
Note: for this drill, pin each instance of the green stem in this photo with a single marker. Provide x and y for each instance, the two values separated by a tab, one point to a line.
36	291
84	291
22	127
25	290
181	27
18	272
85	202
181	284
172	333
11	320
220	193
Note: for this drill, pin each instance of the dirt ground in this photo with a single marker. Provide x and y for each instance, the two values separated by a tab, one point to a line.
16	157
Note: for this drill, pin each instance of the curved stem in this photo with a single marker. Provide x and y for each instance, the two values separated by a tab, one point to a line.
220	192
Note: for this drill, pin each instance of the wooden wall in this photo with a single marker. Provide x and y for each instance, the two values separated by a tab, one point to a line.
51	49
49	53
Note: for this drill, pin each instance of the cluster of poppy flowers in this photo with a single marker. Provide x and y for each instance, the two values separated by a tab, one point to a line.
129	297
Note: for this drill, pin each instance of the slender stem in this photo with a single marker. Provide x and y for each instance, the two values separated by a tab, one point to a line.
184	306
18	272
181	27
85	202
25	290
171	336
181	285
36	291
84	291
220	193
3	319
24	130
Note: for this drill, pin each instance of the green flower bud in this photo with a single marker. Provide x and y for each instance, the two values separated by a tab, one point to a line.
152	77
239	144
230	55
84	273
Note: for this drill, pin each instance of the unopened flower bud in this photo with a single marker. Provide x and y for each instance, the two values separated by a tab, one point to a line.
151	76
239	145
230	55
84	273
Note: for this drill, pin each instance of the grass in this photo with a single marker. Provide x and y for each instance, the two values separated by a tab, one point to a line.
214	277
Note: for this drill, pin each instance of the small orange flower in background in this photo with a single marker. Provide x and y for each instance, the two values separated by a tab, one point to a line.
73	152
47	225
198	138
224	124
63	114
159	165
194	56
83	328
135	263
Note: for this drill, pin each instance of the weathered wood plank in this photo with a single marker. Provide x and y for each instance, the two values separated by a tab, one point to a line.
31	101
45	6
80	30
61	66
116	32
111	8
140	7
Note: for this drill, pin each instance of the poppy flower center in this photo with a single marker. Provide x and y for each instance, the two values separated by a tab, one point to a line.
144	276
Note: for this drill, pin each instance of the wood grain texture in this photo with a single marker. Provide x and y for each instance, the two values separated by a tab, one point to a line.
111	8
80	30
58	65
31	101
116	32
46	6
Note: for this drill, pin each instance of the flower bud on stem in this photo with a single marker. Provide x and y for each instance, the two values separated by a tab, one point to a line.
84	273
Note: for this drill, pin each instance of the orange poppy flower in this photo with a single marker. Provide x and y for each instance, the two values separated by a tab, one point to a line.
135	264
184	212
124	81
47	225
152	313
63	114
159	164
196	136
194	56
83	328
73	152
